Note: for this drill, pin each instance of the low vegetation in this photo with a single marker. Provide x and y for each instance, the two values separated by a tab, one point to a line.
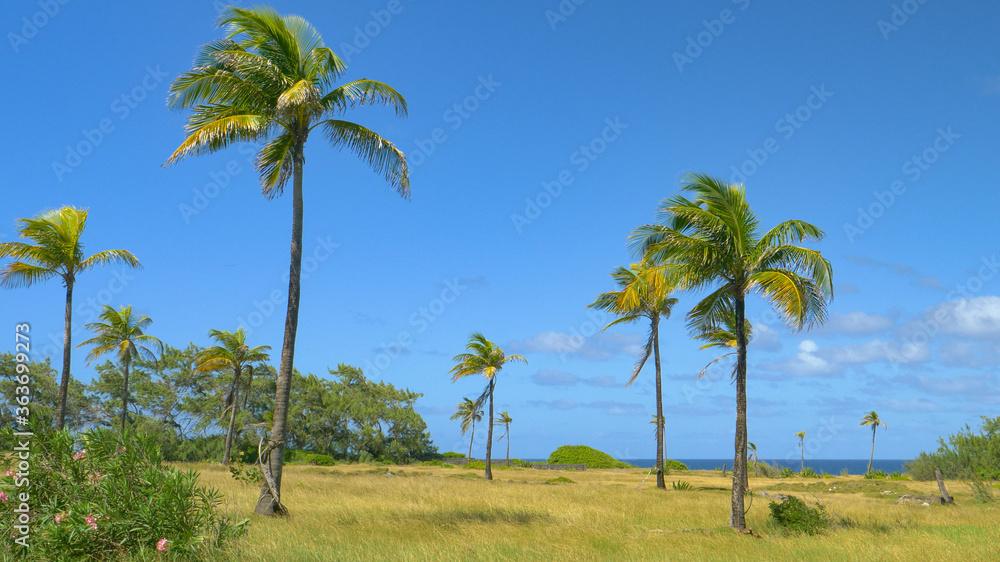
582	454
964	453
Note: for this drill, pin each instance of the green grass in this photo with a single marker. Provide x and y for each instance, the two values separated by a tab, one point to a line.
421	514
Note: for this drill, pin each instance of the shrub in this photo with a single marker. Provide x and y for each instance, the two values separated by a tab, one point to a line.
521	464
476	464
452	455
246	473
582	454
671	464
808	473
100	495
681	485
875	475
963	451
764	469
897	475
560	480
436	462
794	515
845	472
787	472
981	491
317	459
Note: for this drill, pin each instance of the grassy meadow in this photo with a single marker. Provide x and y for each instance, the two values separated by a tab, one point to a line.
366	512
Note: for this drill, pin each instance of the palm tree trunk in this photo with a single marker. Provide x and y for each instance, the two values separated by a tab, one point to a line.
489	438
738	520
872	457
473	437
232	415
659	404
268	505
802	447
125	395
67	349
507	431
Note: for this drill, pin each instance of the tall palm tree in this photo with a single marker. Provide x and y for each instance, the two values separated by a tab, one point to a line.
468	412
652	300
485	358
802	447
57	251
871	420
714	242
122	334
504	419
234	354
271	80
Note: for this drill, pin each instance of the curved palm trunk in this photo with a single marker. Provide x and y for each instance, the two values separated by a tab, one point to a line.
232	415
659	405
489	436
738	520
67	349
472	438
507	432
268	505
125	395
872	457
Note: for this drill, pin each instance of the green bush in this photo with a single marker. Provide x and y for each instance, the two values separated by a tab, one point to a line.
875	475
897	475
582	454
787	472
436	462
476	464
521	464
794	515
560	480
452	455
681	485
808	473
671	464
845	472
98	495
763	469
962	452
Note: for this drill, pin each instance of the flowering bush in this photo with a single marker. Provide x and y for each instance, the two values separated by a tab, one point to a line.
102	495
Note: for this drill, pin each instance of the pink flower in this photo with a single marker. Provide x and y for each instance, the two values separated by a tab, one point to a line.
80	454
58	518
10	473
93	526
3	497
91	519
162	545
122	450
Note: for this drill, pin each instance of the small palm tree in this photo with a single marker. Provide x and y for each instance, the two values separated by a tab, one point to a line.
468	412
122	334
271	80
653	301
802	446
57	251
233	354
753	456
504	419
484	358
714	242
871	420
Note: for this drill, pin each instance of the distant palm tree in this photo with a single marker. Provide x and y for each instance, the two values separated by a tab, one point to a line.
486	359
57	251
714	243
122	334
871	420
802	446
234	354
753	456
504	419
652	301
271	81
468	412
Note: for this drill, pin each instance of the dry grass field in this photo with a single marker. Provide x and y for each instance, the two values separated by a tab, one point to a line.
361	512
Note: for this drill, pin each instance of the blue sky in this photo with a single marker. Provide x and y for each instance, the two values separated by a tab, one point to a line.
539	137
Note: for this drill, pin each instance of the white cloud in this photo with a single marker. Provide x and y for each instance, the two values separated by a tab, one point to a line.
856	323
597	347
814	361
914	405
978	317
546	377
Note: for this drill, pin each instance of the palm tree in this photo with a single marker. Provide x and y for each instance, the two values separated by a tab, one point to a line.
652	301
753	455
871	420
802	447
504	419
122	333
469	413
57	251
233	354
714	242
271	81
484	358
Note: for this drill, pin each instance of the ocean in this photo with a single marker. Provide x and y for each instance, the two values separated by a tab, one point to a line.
830	466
